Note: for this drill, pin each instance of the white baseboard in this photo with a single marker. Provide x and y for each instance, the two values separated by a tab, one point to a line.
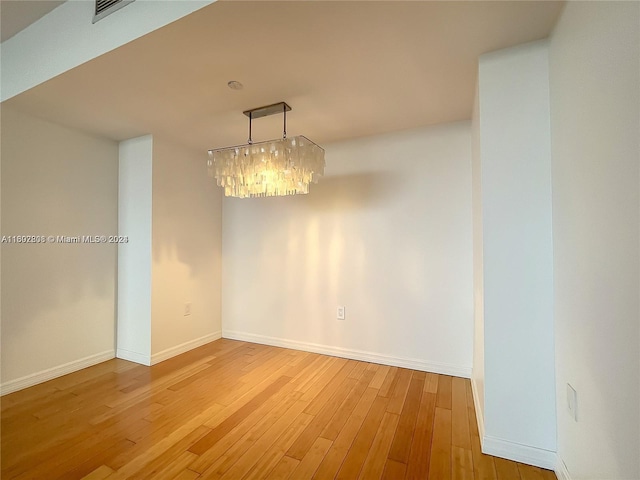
433	367
561	470
134	357
479	412
519	453
510	450
184	347
51	373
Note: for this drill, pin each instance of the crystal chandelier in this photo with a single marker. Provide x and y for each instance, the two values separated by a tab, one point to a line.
266	169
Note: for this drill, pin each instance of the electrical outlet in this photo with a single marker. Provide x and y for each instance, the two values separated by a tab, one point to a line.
572	402
340	313
187	309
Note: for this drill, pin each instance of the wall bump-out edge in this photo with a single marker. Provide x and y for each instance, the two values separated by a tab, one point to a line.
479	412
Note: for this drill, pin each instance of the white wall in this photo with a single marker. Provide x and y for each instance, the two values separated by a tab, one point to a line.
172	213
134	257
58	300
519	388
187	249
387	234
477	376
595	113
66	38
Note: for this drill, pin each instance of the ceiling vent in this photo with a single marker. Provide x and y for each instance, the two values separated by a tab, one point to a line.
107	7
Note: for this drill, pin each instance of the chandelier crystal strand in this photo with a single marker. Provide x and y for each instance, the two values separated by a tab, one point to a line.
266	169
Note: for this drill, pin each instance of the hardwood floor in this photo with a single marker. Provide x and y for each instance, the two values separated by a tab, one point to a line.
236	410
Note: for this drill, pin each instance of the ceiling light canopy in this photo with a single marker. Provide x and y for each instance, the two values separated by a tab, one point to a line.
266	169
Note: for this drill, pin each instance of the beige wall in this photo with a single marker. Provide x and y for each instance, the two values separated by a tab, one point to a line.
58	300
386	233
186	253
595	122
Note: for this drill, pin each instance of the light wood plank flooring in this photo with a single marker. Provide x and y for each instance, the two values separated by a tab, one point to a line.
236	410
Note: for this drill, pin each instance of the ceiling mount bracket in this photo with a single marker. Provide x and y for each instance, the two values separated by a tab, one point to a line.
274	108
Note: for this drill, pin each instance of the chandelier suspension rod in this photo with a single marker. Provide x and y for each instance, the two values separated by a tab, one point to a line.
284	127
280	107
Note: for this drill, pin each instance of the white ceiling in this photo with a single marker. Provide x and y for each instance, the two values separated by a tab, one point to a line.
348	69
18	14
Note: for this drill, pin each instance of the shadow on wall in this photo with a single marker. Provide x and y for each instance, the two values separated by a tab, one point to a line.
186	211
352	192
369	240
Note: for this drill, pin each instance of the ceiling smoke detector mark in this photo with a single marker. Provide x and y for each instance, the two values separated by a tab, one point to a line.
107	7
235	85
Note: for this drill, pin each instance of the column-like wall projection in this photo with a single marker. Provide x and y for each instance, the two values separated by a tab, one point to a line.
169	271
134	257
517	257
